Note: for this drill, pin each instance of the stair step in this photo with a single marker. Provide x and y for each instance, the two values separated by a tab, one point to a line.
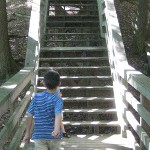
89	114
82	87
102	99
73	16
77	10
74	59
88	29
56	41
92	142
91	123
90	111
53	52
91	91
91	127
54	49
65	21
82	81
82	77
78	71
70	34
74	5
66	1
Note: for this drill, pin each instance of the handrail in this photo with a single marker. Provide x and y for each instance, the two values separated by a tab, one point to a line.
125	76
10	93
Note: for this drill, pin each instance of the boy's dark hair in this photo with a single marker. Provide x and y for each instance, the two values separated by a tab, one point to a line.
52	79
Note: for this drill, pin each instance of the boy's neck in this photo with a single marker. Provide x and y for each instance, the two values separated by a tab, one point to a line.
51	91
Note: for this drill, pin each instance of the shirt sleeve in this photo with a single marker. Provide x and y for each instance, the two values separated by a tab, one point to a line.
58	92
31	107
59	106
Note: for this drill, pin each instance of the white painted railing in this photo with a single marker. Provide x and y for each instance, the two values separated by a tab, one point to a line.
127	81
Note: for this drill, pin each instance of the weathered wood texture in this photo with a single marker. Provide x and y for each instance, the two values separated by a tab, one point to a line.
123	74
9	92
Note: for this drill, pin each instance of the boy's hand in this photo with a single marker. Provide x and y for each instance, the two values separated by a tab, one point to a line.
27	138
60	94
55	134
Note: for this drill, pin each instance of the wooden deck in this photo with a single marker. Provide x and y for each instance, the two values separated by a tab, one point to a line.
91	142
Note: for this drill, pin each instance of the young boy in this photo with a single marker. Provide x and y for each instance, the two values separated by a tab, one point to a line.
46	108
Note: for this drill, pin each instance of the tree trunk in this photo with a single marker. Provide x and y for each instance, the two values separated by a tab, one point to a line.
7	64
142	25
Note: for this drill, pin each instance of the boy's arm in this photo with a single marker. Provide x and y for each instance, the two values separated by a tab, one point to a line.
58	111
28	128
56	132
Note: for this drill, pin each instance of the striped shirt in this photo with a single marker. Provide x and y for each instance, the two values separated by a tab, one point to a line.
43	107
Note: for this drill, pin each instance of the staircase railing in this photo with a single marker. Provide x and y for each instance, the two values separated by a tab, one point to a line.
16	93
131	87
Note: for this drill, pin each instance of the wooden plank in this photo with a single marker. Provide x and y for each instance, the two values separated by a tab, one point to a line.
93	67
70	34
71	40
139	130
91	111
82	77
13	120
138	107
14	86
74	5
101	48
33	35
14	145
92	123
73	16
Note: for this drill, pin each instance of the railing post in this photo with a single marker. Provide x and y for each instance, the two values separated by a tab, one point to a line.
143	124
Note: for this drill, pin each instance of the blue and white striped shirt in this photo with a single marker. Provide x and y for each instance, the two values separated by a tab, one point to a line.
43	107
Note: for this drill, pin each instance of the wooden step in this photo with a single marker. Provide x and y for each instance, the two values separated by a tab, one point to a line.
88	102
87	99
71	28
72	16
73	61
92	142
78	71
70	34
66	41
65	21
73	5
90	111
92	127
82	81
54	49
89	114
81	77
78	1
78	10
87	91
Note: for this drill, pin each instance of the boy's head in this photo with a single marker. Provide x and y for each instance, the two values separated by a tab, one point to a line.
52	79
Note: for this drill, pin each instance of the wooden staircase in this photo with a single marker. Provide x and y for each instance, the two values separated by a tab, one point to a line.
72	46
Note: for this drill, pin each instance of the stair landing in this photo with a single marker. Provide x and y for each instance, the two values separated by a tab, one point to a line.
92	142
